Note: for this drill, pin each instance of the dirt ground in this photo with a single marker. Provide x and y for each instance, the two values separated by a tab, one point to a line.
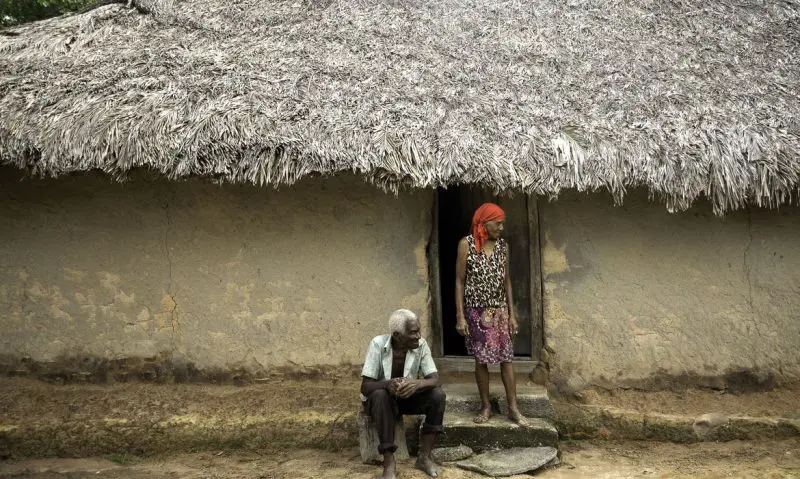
25	401
22	399
25	398
776	403
766	459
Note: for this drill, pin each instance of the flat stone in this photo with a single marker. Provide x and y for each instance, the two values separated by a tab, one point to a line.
508	462
711	420
497	433
451	454
708	423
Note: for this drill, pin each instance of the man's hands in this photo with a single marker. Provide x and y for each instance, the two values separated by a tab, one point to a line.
408	388
392	385
403	387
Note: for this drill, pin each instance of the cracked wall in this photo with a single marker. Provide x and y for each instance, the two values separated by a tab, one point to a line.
223	277
635	296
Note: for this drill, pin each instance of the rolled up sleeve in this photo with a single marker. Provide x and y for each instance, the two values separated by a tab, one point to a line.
426	364
372	362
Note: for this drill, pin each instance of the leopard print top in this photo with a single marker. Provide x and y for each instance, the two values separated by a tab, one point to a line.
485	285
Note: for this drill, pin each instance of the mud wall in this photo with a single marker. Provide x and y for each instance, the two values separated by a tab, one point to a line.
201	276
637	297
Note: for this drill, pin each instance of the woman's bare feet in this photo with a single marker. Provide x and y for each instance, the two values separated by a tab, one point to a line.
389	467
517	418
426	465
483	416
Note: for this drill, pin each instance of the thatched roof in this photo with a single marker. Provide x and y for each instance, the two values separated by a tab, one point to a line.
684	97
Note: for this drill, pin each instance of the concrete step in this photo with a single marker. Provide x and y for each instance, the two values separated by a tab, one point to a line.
497	433
465	365
532	400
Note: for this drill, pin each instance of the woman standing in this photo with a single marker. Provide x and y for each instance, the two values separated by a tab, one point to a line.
483	304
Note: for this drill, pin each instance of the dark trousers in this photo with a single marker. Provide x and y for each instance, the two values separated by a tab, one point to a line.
384	408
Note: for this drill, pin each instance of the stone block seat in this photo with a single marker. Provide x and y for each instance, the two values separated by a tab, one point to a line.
368	440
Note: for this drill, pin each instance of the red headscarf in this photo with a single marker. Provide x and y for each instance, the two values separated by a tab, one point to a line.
485	212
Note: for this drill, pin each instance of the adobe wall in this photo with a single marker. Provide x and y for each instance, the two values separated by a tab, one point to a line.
637	297
155	278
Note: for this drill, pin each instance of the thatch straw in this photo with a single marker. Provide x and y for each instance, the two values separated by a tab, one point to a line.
686	98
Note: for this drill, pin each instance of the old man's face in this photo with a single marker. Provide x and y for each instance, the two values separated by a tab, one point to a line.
410	340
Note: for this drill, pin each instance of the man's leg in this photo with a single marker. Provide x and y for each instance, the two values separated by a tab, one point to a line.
381	408
431	403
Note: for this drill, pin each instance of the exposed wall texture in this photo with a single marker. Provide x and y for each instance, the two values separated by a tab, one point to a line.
635	296
221	277
241	278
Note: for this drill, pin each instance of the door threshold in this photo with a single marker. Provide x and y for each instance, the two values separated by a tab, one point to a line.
465	364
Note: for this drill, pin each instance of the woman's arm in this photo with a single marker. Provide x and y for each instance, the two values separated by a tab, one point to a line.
461	279
512	317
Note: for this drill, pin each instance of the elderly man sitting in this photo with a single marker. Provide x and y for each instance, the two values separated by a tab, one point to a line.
391	386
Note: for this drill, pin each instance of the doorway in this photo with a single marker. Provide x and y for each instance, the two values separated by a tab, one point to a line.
453	218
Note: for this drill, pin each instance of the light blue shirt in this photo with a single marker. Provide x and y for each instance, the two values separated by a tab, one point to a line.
378	363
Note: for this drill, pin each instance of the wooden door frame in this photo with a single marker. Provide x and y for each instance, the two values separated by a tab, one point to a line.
537	294
434	282
536	282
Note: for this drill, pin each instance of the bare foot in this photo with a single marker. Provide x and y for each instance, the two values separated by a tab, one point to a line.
483	417
426	465
517	418
389	468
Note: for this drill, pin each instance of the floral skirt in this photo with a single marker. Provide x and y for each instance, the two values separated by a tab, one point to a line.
489	339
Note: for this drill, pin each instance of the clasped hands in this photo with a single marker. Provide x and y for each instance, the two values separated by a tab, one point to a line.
402	387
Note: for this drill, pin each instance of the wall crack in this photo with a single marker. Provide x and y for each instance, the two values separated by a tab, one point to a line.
174	319
748	269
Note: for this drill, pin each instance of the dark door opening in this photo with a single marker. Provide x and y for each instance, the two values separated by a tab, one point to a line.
455	208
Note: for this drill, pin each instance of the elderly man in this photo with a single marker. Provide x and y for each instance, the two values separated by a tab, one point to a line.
391	386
